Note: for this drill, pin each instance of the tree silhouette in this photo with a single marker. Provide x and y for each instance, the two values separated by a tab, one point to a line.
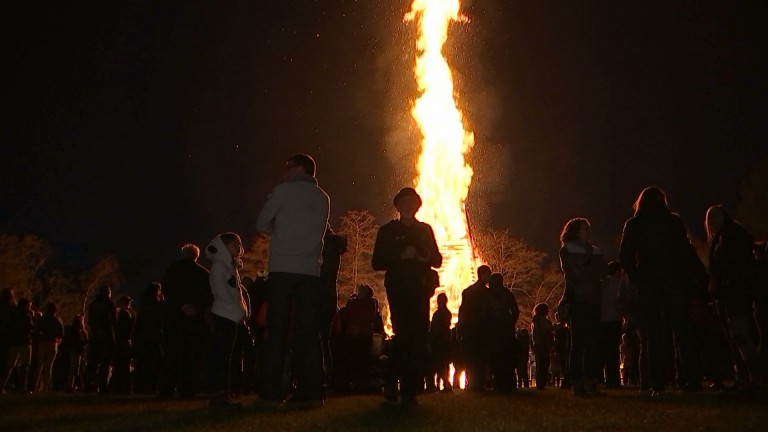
752	206
359	227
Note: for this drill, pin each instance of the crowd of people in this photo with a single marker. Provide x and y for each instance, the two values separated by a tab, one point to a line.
656	317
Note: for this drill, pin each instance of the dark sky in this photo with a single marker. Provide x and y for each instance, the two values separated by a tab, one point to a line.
136	126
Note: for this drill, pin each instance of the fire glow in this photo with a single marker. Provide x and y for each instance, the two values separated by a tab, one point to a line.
444	175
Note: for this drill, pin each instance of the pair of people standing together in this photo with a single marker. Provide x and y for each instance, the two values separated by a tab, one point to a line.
295	217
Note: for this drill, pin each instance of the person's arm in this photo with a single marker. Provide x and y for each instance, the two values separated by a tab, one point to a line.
266	219
573	271
628	250
384	253
434	259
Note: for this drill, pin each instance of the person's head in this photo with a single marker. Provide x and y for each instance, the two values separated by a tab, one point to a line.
7	296
760	250
299	164
105	291
575	230
190	251
484	273
652	198
614	268
125	302
233	244
50	309
496	280
364	292
153	293
442	300
24	304
717	216
541	309
407	202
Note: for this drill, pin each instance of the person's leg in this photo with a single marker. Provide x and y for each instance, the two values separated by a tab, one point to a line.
219	365
306	343
279	300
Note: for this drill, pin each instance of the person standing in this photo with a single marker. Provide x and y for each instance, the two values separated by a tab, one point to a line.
101	318
503	315
48	333
122	380
295	217
542	340
660	261
407	251
474	331
584	269
187	300
733	281
228	312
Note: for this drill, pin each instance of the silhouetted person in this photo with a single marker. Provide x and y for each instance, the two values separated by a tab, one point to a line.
474	329
48	333
440	344
733	272
610	326
121	381
584	268
542	341
406	249
101	317
503	315
659	260
295	217
74	346
360	319
229	310
562	334
188	299
522	364
334	245
148	339
19	343
760	250
7	314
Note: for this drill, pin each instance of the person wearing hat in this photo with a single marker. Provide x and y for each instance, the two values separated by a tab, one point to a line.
406	250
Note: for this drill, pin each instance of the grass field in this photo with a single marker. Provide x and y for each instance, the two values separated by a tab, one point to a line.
528	410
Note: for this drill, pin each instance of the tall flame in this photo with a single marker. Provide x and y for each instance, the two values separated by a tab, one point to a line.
444	175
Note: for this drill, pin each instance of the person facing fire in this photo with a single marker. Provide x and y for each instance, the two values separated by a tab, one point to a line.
407	251
473	331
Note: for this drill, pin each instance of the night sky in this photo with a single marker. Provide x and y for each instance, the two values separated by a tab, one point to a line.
136	126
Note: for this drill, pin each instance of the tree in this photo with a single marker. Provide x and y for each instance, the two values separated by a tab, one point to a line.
22	259
752	206
106	271
522	268
256	259
359	227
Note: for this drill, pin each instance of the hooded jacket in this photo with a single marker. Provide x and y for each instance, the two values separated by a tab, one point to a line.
228	301
296	214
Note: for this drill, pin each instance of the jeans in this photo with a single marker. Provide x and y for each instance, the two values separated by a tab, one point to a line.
294	349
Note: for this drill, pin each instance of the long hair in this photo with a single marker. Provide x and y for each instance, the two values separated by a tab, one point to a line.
651	198
727	220
570	231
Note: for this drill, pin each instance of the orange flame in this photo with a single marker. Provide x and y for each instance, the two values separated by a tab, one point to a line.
444	175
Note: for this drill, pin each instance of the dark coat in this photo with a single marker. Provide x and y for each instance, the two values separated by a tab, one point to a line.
732	266
186	282
655	251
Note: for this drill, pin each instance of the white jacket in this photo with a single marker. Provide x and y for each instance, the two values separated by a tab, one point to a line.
228	301
296	214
